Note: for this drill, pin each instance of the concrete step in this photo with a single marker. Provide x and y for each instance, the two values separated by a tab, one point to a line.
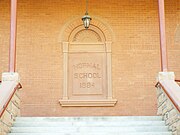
102	133
108	125
88	129
89	124
96	118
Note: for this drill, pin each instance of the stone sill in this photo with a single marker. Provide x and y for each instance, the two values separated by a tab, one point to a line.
105	102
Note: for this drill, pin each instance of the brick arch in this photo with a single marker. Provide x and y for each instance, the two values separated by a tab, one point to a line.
93	34
71	25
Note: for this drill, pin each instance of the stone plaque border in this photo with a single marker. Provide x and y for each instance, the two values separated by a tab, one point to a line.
103	46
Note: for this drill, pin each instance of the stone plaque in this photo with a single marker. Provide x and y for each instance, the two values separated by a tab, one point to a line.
87	69
86	73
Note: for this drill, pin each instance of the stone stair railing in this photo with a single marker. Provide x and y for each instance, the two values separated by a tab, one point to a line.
9	101
168	93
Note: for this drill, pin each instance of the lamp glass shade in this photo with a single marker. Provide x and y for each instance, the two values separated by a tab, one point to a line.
86	20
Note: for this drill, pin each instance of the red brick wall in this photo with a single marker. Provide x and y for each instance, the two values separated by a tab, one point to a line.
4	35
135	52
